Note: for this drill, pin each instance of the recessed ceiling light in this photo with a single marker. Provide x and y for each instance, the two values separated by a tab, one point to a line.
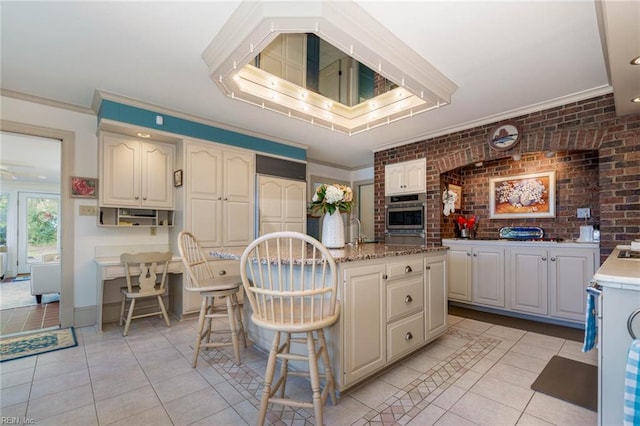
143	135
636	99
635	61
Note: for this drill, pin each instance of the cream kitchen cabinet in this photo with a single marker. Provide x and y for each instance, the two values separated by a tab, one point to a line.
281	205
216	204
391	308
533	279
405	288
435	291
405	178
488	276
560	276
528	278
217	199
363	321
476	273
459	271
135	173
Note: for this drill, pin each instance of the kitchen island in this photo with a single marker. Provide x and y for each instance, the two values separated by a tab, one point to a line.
393	301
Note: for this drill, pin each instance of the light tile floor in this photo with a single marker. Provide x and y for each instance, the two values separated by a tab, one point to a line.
476	374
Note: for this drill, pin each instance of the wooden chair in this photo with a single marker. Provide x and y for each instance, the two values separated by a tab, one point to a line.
148	266
290	280
201	280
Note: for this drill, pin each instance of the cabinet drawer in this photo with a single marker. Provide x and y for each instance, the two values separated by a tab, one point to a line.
405	268
223	268
405	297
404	335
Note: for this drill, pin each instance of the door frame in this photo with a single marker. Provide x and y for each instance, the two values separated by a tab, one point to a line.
356	189
67	220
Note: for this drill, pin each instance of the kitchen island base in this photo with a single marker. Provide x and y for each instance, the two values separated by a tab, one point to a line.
390	308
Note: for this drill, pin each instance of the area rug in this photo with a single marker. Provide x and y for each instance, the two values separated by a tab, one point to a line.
571	381
36	343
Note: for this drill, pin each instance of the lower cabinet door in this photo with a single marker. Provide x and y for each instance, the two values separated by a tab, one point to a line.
363	321
404	335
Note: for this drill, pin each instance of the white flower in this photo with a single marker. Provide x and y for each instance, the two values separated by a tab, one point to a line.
315	198
333	195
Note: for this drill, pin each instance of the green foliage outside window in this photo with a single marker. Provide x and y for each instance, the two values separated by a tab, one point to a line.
4	202
42	221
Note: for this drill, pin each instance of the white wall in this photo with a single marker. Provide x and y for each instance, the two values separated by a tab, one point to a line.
85	163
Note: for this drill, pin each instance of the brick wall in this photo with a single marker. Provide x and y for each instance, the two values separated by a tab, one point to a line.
597	164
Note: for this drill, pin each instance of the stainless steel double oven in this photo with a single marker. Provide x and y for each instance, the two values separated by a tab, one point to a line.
405	219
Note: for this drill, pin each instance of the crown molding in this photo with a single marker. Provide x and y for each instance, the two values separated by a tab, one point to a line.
45	101
552	103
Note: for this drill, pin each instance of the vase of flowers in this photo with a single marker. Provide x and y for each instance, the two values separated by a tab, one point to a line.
331	201
466	225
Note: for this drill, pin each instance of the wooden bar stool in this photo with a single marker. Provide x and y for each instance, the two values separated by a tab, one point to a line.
202	280
290	280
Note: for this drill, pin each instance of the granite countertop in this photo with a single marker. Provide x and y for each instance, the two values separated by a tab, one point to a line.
620	273
351	252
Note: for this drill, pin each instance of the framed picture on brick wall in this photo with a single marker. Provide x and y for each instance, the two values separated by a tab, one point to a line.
522	196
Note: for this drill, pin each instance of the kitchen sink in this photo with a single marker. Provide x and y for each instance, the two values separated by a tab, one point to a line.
629	254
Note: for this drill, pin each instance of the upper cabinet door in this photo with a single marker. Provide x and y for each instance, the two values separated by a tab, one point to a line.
414	176
119	172
135	173
408	177
239	172
157	175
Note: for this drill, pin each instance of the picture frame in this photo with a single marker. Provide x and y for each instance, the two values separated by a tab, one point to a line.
504	136
84	187
458	191
177	178
523	196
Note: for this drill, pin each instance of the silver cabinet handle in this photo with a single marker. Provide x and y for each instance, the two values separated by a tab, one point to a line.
222	272
219	198
408	299
384	276
428	267
144	198
468	254
408	336
553	259
408	269
544	258
136	197
475	254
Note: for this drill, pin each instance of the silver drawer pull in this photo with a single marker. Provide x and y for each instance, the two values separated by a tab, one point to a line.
384	276
408	269
408	299
408	336
222	272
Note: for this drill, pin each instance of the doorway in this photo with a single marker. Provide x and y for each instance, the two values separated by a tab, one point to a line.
31	163
366	208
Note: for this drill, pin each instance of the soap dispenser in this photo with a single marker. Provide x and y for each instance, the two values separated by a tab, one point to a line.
596	232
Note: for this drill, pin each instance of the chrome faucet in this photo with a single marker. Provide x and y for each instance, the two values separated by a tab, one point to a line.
359	238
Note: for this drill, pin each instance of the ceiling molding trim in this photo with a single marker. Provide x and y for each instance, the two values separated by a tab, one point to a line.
553	103
45	101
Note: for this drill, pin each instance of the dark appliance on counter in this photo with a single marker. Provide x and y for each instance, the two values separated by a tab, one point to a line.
405	219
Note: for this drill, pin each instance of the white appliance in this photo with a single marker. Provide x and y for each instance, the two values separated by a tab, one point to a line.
619	303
